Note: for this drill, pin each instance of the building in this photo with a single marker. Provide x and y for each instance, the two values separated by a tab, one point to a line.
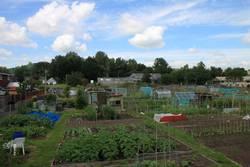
162	93
51	81
100	97
5	78
116	102
133	78
223	81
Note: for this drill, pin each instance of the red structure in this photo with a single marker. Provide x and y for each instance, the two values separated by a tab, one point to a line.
167	118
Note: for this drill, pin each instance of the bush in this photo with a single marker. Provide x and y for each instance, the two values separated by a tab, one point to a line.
22	108
108	112
90	113
51	99
80	99
25	120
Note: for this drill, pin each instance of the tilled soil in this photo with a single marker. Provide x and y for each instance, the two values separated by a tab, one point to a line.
236	147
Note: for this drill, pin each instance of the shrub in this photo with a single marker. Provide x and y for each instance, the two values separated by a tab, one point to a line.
90	113
80	99
22	108
66	91
108	112
50	98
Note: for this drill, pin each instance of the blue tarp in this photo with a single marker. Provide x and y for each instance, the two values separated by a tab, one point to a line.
53	117
17	134
147	91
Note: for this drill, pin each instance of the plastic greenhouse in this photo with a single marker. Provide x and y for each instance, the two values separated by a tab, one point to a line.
185	98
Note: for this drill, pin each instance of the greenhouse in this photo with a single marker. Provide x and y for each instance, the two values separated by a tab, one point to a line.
185	98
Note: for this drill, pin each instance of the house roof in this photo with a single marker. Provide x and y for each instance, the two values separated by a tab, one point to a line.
51	80
2	73
13	84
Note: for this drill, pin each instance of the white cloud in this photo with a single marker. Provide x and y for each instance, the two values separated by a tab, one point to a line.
13	34
66	43
193	50
246	38
86	37
227	36
4	54
151	37
129	24
233	57
59	18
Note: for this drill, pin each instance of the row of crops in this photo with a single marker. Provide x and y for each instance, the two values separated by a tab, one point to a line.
84	145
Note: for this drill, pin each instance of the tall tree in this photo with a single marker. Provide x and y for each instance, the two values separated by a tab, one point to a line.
103	63
161	66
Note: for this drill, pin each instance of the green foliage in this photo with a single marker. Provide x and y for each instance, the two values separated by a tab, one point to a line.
22	108
106	145
108	112
68	102
90	113
80	99
66	91
74	79
51	99
146	77
30	125
161	66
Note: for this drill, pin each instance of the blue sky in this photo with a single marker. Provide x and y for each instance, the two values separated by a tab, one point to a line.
183	32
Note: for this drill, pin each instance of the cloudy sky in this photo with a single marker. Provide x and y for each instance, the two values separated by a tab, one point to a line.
216	32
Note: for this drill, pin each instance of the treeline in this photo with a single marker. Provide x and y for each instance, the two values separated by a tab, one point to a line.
74	70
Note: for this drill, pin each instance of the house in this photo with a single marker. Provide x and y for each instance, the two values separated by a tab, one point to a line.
51	81
5	78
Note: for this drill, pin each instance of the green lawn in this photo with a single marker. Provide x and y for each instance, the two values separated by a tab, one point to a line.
45	149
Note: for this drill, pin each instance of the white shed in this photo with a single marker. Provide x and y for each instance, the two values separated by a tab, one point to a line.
51	81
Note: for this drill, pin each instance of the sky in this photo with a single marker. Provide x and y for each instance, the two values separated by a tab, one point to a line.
216	32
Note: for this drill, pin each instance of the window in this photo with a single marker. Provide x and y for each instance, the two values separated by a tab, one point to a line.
1	77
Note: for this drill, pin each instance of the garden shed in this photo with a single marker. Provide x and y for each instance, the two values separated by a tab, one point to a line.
146	91
162	93
116	102
121	91
185	98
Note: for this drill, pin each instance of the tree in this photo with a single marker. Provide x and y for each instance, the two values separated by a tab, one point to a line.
167	78
215	72
146	77
62	65
235	74
103	63
161	66
91	69
80	99
74	79
4	70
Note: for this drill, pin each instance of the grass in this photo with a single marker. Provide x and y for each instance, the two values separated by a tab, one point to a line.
219	158
45	149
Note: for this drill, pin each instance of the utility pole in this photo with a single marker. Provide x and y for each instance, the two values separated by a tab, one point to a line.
45	82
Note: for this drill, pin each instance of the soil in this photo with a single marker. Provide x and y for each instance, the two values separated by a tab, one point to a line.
236	147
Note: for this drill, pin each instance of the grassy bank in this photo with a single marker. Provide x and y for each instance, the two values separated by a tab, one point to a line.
43	150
